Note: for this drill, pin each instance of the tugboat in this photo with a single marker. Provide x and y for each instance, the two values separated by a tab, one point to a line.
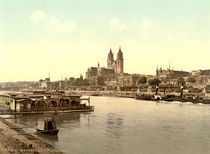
47	126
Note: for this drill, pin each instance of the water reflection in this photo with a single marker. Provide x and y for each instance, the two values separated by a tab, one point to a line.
52	138
70	118
60	118
114	125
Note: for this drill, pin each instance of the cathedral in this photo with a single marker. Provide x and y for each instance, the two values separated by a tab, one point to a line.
114	68
116	65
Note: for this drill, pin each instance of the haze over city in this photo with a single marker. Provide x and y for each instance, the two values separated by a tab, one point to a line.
38	37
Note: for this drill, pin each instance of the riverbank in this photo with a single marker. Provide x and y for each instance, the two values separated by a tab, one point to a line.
15	140
194	98
108	93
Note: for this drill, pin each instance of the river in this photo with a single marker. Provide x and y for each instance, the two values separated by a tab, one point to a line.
126	125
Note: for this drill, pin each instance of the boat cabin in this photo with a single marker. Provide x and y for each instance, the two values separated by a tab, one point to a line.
47	102
47	126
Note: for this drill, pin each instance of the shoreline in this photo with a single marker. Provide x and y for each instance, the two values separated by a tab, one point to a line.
144	96
15	140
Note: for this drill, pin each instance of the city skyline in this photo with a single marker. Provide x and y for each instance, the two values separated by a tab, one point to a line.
67	37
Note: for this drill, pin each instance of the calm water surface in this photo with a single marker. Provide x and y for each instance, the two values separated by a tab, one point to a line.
124	125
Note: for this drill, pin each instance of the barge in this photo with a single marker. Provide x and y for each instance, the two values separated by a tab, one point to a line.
45	102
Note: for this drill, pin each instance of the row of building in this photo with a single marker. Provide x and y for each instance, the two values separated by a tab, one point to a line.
113	76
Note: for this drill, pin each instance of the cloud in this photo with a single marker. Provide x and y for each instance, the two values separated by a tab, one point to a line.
116	24
148	24
176	35
52	23
37	16
148	28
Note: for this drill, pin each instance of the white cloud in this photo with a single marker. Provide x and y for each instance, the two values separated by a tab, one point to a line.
116	24
148	28
37	16
52	23
148	24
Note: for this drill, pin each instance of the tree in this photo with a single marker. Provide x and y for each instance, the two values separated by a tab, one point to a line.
180	81
191	79
80	82
165	80
142	80
55	85
154	82
100	81
85	82
81	77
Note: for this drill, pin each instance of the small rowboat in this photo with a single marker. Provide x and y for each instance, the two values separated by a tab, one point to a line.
47	126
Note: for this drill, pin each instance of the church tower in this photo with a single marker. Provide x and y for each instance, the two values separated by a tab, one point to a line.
110	60
119	62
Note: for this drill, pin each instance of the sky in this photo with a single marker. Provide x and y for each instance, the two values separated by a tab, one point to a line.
62	38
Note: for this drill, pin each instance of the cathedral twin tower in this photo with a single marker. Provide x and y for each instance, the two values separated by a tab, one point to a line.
116	65
114	68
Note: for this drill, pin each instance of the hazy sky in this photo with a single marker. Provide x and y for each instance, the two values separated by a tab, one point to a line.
65	37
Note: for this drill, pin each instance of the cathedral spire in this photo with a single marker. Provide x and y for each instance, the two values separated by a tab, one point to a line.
120	54
110	55
120	49
110	51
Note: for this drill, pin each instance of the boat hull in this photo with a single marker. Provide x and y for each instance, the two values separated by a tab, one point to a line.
48	132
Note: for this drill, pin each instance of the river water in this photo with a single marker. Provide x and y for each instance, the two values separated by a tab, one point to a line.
125	125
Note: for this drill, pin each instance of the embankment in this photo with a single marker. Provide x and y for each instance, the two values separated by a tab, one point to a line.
15	140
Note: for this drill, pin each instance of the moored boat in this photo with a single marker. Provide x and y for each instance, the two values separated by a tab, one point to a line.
144	97
169	98
96	94
47	126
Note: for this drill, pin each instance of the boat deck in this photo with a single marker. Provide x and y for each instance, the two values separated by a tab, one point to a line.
41	112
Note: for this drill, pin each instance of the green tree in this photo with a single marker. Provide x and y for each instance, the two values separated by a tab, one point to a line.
180	81
55	85
191	79
100	81
165	80
80	82
81	77
85	82
142	80
154	82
